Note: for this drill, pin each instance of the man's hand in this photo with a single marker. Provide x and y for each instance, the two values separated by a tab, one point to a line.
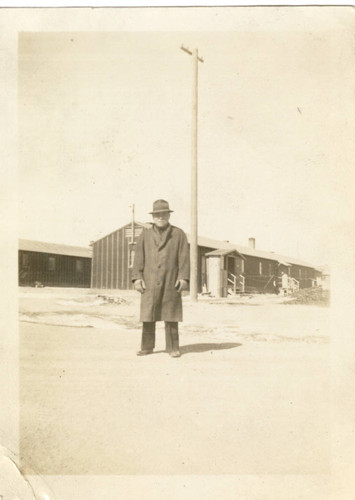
139	285
182	285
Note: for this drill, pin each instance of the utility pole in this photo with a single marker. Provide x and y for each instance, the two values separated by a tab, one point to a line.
194	185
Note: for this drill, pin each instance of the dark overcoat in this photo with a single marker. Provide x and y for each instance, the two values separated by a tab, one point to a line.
160	261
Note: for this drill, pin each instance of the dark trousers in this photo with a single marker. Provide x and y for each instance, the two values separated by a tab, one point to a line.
171	336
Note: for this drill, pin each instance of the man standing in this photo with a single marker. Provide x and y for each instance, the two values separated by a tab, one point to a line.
161	271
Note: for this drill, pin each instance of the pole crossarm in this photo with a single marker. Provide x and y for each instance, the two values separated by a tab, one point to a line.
185	49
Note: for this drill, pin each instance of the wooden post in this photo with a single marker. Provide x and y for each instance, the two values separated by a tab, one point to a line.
132	237
131	246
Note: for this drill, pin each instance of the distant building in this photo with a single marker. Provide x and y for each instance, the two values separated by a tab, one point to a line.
51	264
323	277
235	267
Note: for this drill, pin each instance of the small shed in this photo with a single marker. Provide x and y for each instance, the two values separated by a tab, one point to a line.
225	268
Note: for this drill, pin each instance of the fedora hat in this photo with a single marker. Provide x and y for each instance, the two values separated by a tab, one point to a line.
160	206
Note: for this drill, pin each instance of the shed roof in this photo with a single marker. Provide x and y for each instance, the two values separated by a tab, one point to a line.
224	251
54	248
287	264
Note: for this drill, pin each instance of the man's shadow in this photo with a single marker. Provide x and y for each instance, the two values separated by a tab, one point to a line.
210	346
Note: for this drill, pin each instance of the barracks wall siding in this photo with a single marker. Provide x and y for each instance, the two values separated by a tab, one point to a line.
259	274
53	269
113	258
306	276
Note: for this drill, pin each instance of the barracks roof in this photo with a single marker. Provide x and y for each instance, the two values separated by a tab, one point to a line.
54	248
247	251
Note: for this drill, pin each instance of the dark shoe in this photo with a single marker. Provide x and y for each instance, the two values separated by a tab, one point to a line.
175	354
145	352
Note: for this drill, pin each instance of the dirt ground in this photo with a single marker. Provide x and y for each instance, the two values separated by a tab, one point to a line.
250	394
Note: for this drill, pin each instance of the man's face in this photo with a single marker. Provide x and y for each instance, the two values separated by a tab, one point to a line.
161	219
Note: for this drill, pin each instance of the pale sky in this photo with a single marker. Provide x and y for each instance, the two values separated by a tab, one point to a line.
105	121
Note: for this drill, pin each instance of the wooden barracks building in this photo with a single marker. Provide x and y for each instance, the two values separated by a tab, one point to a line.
221	265
51	264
